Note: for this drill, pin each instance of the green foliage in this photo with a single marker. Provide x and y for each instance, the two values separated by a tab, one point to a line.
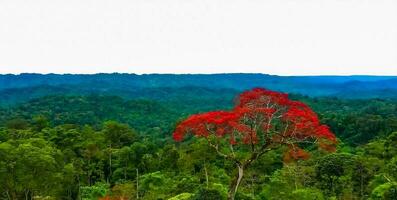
94	192
90	110
208	194
156	185
117	135
183	196
124	190
307	194
90	146
17	124
29	166
334	173
391	168
387	191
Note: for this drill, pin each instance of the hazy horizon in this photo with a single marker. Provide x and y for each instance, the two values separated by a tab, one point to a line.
247	73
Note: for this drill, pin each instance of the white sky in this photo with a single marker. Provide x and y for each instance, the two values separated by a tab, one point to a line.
285	37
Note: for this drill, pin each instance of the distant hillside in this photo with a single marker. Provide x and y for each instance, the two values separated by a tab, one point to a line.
93	110
184	96
24	87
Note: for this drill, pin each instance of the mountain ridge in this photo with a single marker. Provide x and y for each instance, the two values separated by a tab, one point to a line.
19	88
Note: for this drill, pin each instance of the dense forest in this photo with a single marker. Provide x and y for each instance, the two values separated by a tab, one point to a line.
83	137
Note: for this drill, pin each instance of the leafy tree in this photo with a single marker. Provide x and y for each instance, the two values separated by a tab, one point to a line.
40	122
362	173
390	145
391	168
387	191
17	124
261	121
208	194
70	182
307	194
29	167
116	135
126	190
334	172
155	185
94	192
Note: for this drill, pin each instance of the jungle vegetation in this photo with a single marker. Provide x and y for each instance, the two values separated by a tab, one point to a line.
109	144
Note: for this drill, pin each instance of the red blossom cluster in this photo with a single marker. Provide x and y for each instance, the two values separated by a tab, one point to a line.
260	114
217	122
295	154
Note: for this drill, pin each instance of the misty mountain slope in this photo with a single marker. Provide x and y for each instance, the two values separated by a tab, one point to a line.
21	88
182	95
236	81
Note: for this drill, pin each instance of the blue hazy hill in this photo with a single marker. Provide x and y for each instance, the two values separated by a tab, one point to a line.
18	88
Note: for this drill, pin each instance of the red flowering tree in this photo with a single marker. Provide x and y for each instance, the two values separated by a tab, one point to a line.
261	120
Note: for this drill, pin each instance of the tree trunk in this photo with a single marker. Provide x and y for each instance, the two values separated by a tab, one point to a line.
26	194
14	195
88	172
8	195
235	182
206	175
126	166
137	183
79	192
110	164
